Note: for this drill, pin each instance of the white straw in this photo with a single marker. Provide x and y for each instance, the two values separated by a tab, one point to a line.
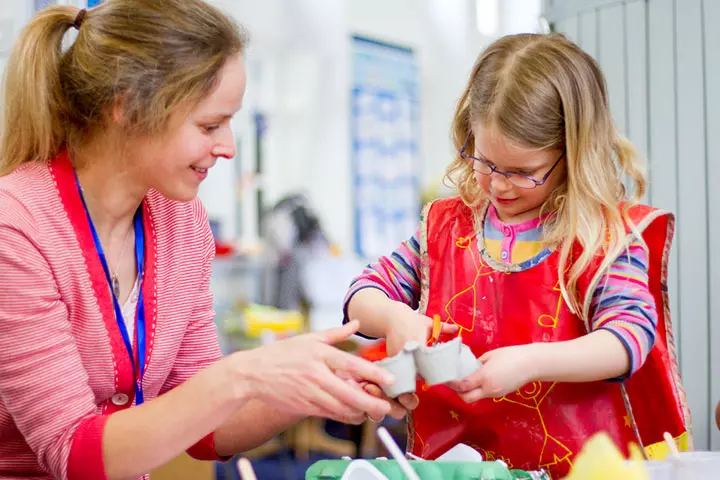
245	469
394	450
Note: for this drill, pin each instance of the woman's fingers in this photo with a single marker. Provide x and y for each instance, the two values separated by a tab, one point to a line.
353	398
339	334
358	368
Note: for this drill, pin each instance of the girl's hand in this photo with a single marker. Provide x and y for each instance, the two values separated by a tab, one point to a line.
406	325
503	371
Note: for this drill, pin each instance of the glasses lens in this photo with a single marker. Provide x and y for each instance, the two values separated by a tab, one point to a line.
522	182
482	167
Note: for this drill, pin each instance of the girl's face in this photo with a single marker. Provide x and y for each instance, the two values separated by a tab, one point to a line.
514	203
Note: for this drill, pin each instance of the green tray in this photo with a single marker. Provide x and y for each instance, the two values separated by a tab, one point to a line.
427	470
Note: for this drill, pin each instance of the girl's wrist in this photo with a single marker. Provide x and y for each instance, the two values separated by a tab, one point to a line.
395	313
537	361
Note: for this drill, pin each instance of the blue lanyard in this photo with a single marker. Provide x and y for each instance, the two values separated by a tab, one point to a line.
140	318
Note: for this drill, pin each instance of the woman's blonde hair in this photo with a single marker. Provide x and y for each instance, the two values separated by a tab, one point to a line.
150	56
543	92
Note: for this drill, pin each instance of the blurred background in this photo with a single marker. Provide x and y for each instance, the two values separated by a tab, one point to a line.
344	134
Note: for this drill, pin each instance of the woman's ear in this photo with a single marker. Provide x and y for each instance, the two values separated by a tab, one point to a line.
118	114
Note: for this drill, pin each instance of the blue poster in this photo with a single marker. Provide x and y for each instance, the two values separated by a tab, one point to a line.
43	4
385	146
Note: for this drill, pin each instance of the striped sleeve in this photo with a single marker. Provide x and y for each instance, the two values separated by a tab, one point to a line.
43	383
397	276
622	304
200	347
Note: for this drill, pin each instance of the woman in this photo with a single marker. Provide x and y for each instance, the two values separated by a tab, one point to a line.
109	361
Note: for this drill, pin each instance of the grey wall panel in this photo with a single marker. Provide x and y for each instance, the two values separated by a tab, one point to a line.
588	32
692	213
636	74
662	133
711	33
561	9
612	57
570	27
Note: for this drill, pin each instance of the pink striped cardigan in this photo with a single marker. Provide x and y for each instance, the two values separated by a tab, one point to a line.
63	364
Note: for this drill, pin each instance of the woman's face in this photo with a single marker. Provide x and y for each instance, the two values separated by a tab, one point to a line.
177	162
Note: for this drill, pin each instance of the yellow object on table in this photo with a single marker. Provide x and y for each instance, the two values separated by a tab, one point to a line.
259	319
600	459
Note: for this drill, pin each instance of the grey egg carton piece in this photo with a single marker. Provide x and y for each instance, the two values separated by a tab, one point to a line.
437	364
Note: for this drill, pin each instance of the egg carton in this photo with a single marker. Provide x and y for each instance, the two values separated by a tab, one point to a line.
382	469
436	364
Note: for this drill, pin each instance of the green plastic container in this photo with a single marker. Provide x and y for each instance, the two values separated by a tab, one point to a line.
427	470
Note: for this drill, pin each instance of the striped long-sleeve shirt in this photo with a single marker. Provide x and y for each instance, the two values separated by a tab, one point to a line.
622	302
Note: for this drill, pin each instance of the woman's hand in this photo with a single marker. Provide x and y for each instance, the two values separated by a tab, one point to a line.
399	407
503	371
306	375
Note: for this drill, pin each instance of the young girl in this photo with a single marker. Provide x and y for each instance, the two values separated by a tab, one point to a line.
551	271
109	359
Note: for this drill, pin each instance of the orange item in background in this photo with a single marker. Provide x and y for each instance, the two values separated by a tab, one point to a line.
374	352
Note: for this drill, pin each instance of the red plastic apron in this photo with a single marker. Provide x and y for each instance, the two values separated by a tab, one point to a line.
543	424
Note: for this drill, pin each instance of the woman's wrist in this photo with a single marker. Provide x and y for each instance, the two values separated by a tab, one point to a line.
241	376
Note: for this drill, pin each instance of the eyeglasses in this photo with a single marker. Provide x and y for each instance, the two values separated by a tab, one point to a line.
517	179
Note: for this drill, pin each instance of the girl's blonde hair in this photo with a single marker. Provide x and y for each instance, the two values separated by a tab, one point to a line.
544	92
150	56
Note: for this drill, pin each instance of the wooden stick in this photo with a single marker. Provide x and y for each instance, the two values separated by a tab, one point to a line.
671	444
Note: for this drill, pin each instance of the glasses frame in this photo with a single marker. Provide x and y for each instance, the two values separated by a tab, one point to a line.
506	174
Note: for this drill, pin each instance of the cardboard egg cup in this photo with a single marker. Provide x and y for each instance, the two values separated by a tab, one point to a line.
436	364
